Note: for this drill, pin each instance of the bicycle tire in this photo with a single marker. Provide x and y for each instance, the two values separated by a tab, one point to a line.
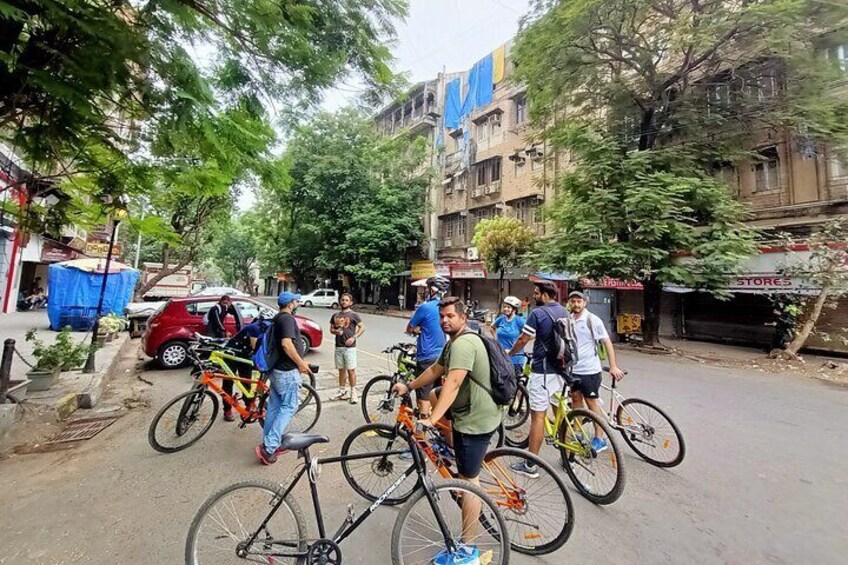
569	459
185	397
520	406
302	421
631	441
520	509
289	503
383	468
453	485
374	389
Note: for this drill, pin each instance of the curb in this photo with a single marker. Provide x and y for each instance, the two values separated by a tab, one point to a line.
89	397
66	406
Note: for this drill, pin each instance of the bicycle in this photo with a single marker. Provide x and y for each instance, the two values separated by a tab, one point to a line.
646	428
419	536
598	476
197	408
377	403
538	511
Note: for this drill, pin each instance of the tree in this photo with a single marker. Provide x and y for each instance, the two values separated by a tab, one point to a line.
236	251
650	96
823	268
503	243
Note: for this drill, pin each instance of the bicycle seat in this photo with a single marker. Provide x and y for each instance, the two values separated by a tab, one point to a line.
297	441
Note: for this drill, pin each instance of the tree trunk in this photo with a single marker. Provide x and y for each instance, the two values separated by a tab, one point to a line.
809	324
652	299
166	271
500	290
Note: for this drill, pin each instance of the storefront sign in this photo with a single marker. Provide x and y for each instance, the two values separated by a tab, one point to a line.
609	282
468	271
422	270
282	277
97	249
628	324
100	232
52	253
443	270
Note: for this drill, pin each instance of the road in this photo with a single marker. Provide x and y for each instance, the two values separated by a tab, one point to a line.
764	480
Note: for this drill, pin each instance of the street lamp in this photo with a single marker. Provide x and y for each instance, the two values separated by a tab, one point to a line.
119	213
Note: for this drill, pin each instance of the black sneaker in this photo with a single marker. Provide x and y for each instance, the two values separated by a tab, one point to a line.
264	457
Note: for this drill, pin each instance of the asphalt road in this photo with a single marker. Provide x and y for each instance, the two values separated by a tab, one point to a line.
764	480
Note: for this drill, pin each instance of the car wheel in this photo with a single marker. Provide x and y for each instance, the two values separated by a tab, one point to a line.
335	306
304	342
173	354
307	304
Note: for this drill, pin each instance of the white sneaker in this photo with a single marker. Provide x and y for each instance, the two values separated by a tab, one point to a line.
343	394
354	398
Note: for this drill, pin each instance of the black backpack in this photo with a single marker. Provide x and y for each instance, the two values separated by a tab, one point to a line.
564	343
502	379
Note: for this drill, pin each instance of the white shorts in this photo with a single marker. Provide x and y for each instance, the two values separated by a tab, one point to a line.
541	388
346	358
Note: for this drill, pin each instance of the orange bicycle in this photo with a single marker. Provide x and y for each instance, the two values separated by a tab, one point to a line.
186	418
536	508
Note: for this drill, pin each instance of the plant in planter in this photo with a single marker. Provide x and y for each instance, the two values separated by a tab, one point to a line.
111	324
62	355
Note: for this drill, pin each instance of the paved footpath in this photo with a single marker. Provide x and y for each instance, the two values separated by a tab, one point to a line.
764	480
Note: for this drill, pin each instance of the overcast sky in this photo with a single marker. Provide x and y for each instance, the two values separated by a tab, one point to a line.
449	34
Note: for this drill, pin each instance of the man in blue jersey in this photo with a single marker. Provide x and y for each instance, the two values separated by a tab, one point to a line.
426	323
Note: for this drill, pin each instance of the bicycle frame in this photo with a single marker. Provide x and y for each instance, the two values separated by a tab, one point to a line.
561	415
207	378
220	358
349	525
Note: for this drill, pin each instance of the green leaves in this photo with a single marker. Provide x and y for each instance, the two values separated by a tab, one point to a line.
503	242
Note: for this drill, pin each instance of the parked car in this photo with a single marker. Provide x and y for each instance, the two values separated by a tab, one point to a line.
139	313
325	297
174	324
220	291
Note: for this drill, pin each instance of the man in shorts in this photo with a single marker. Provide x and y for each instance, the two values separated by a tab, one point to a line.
544	380
474	414
590	332
347	326
431	339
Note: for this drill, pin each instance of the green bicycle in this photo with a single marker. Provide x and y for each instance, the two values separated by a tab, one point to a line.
379	406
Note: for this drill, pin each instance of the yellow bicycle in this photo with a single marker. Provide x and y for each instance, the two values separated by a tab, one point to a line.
598	474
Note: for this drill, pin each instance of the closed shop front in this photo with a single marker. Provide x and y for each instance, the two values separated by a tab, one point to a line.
742	319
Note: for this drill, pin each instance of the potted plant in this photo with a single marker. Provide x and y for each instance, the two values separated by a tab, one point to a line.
110	325
50	360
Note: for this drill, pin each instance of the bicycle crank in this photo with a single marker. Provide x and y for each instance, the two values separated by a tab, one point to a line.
324	552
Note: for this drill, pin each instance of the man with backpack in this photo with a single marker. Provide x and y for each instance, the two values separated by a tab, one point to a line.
592	341
279	355
466	397
546	371
243	345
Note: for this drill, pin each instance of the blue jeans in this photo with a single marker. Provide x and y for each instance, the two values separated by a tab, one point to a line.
282	405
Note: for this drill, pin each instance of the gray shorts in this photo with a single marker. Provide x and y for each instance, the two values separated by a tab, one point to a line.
346	358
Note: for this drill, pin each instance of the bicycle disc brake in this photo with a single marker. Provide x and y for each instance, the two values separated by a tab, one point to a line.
324	552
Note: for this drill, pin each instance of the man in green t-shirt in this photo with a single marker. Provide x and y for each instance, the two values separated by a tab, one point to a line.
462	398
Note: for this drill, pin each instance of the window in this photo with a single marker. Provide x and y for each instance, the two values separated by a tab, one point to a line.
483	130
488	171
494	170
767	171
537	164
454	229
838	54
727	173
526	210
199	308
520	104
495	124
838	165
760	86
481	174
248	310
718	98
520	166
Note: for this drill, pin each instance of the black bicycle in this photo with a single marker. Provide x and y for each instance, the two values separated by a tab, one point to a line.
259	521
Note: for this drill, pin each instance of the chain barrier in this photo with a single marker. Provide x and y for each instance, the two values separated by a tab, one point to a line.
21	357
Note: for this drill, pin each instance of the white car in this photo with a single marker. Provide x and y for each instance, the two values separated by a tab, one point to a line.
325	297
220	291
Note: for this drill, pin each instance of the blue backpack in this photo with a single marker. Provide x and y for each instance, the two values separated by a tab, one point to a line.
267	352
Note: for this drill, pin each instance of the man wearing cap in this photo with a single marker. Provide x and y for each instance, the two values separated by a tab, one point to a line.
283	398
591	335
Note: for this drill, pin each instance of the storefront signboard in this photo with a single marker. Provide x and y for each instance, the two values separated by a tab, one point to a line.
422	270
609	282
468	271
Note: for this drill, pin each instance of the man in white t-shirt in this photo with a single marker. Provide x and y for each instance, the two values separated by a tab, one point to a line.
587	371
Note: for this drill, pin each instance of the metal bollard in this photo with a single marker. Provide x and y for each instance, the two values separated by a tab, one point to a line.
6	368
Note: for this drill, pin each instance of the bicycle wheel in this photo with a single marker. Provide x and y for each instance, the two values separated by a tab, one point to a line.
183	420
371	477
308	411
377	404
537	510
417	537
598	476
230	516
650	433
518	411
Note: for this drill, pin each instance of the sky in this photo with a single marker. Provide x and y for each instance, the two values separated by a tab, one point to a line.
438	34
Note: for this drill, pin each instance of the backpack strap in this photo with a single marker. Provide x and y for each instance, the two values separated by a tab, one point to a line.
470	374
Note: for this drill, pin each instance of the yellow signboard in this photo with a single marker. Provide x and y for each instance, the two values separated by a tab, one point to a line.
422	270
97	249
627	324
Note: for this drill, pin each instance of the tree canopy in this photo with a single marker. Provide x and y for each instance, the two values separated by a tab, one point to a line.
503	243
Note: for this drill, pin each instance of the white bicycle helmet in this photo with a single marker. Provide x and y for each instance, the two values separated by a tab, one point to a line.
513	301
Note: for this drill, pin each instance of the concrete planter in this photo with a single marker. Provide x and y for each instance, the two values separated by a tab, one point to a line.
42	380
18	389
8	412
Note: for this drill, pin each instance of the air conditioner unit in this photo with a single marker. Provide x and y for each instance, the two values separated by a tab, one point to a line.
478	190
448	243
495	119
471	254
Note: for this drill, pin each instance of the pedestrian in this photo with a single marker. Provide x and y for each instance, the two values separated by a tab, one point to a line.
347	326
785	322
462	400
593	346
285	378
507	328
425	323
525	306
544	379
401	301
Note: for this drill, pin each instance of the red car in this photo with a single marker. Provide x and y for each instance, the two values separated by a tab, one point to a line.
170	329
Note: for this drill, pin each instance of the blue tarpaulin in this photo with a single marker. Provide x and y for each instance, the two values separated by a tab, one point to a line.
452	104
74	293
